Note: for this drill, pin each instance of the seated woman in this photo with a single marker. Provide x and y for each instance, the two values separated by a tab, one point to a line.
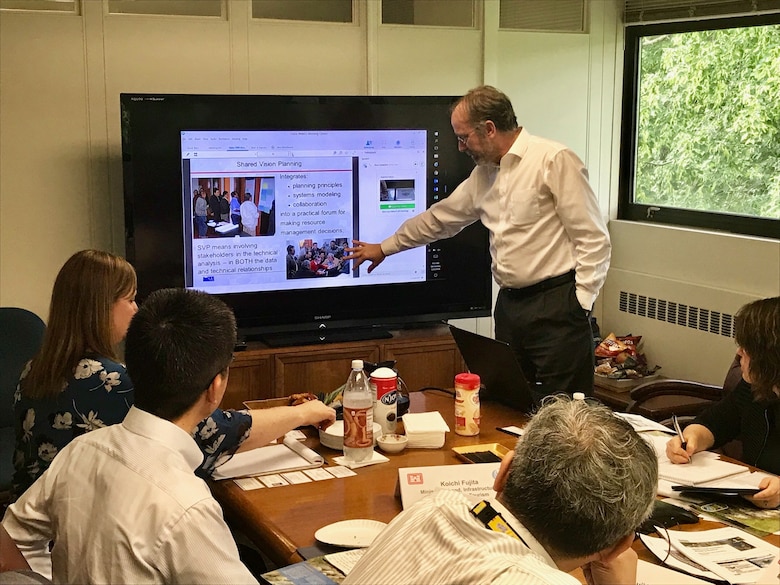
76	382
751	412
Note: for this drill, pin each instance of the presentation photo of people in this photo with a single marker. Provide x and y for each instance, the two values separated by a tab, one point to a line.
233	206
310	258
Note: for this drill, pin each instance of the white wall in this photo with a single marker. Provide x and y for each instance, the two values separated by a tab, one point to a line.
716	272
60	167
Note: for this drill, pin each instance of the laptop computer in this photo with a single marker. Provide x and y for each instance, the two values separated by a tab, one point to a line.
497	366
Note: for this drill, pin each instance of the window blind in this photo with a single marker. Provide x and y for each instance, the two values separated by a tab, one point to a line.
647	11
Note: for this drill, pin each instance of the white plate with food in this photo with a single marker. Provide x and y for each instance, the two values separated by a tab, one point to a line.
355	533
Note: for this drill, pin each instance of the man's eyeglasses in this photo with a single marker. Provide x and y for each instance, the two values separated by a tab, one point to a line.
463	139
663	533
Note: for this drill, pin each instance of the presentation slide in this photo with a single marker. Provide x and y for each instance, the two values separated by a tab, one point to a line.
276	210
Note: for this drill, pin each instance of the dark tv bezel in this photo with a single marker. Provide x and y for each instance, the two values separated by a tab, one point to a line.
151	156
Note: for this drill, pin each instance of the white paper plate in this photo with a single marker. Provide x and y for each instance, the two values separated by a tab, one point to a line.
357	533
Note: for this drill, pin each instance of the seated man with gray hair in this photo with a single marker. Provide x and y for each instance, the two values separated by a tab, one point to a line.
571	495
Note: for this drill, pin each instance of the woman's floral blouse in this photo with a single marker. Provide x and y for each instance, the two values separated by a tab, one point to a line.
99	394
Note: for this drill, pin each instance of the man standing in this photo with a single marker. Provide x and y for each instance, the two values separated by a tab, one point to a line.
235	209
292	263
549	244
224	207
201	210
579	483
214	205
249	215
122	503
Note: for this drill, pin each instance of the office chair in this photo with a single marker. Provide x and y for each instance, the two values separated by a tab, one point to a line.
21	334
660	399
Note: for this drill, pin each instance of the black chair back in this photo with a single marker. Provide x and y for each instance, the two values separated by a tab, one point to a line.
21	334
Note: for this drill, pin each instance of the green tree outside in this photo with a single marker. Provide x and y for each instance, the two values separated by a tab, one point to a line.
708	135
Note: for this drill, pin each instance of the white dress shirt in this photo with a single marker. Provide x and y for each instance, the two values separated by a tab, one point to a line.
122	505
249	215
542	215
438	541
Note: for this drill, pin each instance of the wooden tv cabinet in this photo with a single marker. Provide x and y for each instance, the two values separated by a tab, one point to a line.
424	357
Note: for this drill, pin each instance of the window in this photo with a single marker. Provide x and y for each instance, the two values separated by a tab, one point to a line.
71	6
454	13
166	7
701	124
307	10
559	16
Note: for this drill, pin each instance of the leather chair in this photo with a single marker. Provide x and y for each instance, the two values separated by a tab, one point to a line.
21	334
660	399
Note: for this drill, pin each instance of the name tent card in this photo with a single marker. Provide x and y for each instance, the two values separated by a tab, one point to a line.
475	481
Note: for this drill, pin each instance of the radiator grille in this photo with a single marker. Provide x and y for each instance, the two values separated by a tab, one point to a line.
675	313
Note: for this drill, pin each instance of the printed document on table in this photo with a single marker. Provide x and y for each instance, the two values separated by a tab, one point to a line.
730	553
642	423
771	574
675	559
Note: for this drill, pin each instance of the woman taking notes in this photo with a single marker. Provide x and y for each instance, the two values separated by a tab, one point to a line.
751	412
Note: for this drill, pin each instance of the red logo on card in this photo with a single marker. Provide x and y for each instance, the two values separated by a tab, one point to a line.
414	478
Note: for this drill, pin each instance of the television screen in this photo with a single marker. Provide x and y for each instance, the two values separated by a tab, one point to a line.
254	199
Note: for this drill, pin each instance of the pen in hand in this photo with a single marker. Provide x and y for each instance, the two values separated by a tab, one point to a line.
683	442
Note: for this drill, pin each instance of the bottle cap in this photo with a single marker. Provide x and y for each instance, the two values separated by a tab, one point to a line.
578	396
357	364
467	380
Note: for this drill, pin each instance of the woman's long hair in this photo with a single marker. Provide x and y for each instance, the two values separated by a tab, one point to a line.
757	332
80	322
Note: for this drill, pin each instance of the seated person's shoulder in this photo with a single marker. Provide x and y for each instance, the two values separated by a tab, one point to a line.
91	365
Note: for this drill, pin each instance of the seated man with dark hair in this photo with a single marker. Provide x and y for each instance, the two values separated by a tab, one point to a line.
572	494
122	503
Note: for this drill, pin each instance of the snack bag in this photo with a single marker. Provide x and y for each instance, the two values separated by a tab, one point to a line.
631	342
610	346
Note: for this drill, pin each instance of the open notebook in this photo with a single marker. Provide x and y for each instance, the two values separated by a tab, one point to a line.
290	455
705	470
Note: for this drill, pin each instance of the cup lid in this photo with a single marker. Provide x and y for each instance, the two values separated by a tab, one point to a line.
467	379
383	372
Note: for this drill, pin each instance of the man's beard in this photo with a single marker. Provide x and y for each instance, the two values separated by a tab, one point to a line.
479	159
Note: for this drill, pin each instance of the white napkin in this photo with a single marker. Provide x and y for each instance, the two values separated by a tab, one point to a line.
375	458
425	430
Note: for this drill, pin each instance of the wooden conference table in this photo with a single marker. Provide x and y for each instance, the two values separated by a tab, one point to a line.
282	519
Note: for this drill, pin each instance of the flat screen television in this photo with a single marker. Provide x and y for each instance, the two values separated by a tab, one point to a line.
310	174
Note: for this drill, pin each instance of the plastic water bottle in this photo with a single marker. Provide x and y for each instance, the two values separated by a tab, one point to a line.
358	401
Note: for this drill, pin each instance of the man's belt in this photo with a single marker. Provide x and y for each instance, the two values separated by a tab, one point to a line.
543	285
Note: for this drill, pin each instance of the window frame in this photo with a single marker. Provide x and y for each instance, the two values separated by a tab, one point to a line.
632	211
